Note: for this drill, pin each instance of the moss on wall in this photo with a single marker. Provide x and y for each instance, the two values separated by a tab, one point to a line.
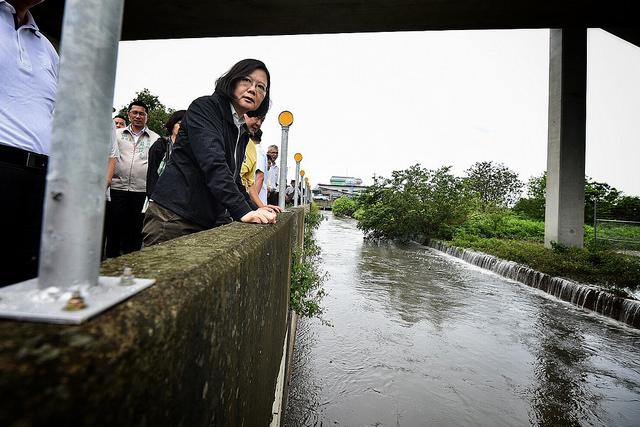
200	347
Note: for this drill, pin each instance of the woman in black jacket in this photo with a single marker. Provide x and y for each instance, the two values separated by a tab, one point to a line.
161	150
202	178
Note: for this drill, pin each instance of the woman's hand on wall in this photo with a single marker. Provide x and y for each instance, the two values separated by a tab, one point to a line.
260	216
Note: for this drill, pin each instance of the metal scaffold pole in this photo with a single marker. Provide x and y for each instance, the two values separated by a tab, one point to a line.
76	180
69	288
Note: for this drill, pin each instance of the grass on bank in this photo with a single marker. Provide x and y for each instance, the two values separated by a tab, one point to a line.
605	268
520	240
307	278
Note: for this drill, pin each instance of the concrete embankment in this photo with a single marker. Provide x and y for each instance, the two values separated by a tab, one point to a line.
588	297
203	346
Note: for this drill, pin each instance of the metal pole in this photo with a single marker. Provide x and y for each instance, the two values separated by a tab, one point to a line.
297	192
595	222
76	180
66	290
284	149
303	194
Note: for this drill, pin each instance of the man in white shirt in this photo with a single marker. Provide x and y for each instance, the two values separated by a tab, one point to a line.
273	175
28	80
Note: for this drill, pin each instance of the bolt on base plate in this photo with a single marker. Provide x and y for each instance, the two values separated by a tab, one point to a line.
25	301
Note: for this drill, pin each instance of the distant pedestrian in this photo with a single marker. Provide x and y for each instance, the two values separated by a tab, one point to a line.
273	175
290	192
114	153
161	150
261	170
120	122
129	183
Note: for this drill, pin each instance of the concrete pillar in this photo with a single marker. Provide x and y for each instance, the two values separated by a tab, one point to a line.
564	216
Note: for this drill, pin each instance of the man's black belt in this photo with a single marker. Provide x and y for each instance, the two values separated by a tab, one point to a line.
24	158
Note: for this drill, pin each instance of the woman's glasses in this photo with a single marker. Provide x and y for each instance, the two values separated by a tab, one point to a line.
248	82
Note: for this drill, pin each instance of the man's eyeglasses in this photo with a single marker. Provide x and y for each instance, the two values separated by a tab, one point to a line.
138	113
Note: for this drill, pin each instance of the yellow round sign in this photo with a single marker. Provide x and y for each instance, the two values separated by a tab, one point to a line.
306	179
298	157
302	173
285	118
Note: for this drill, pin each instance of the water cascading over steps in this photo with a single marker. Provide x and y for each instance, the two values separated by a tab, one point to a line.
589	297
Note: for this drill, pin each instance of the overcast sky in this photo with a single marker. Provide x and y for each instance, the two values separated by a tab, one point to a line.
366	104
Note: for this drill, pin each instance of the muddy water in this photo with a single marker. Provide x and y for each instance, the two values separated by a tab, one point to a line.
423	339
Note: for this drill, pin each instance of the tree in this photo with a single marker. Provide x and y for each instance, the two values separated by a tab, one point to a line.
627	209
537	186
534	206
158	113
413	203
343	207
495	185
606	195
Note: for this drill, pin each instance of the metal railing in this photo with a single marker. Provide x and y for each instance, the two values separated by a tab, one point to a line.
614	230
609	231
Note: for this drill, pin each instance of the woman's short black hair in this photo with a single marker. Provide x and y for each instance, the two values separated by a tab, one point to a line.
173	119
226	84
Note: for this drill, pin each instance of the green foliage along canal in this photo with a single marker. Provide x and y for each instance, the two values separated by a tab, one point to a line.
421	339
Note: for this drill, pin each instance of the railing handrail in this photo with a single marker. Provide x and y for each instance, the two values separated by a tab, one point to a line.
617	220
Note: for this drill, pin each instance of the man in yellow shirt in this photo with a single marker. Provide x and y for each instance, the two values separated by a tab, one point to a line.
248	170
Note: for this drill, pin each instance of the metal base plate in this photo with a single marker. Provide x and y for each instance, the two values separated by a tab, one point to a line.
24	301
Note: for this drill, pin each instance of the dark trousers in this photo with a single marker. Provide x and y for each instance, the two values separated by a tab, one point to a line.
125	218
162	224
272	198
105	228
22	197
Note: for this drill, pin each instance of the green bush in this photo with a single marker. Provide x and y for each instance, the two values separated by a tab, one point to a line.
307	279
313	218
414	203
504	225
531	208
343	206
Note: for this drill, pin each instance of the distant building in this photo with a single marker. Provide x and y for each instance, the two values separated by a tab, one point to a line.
345	180
340	186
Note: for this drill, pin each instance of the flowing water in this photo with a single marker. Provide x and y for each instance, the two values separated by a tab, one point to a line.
420	338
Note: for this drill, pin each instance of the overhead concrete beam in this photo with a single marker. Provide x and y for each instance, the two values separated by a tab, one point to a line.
163	19
564	215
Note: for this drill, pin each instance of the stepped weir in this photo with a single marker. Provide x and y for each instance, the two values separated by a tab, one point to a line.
589	297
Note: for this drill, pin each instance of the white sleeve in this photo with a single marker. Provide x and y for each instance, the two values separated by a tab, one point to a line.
114	153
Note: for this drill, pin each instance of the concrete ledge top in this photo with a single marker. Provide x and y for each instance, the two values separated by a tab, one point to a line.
213	324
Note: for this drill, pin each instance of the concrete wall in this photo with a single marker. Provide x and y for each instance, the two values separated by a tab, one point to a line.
202	346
